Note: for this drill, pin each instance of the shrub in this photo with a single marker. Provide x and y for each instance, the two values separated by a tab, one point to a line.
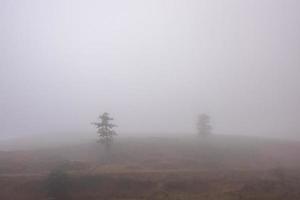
58	185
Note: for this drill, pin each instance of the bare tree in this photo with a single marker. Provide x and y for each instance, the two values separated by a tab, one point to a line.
105	130
203	125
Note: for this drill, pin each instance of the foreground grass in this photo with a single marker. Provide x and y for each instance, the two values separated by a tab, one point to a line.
219	168
209	185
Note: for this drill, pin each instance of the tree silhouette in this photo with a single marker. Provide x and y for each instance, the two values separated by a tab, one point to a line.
105	130
203	125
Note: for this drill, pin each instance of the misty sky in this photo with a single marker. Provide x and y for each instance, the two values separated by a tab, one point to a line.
153	64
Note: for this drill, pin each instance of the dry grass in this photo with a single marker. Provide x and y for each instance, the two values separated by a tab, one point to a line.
208	185
175	170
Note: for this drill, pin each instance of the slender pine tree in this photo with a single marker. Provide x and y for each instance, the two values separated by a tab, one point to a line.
105	130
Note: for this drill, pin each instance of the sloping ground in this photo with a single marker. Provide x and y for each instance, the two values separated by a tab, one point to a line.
159	168
217	152
27	162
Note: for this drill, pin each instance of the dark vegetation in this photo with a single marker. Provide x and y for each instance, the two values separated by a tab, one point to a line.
58	184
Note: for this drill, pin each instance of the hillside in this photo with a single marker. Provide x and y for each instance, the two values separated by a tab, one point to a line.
219	167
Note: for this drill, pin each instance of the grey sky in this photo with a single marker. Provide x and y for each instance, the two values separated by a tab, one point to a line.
154	65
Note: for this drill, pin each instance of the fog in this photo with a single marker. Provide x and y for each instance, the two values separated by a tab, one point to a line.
153	65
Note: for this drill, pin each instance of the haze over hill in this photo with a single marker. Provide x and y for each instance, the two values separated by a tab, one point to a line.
154	65
149	99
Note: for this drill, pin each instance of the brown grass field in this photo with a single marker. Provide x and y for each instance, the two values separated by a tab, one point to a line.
216	168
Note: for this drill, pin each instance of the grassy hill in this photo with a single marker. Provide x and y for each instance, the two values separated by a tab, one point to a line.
218	167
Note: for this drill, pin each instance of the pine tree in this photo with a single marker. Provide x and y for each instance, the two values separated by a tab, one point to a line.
203	125
105	130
